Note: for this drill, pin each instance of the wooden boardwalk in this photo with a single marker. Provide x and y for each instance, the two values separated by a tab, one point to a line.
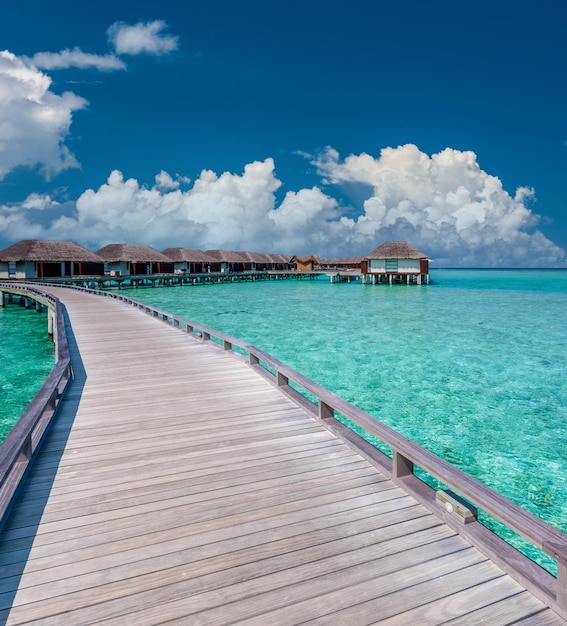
178	486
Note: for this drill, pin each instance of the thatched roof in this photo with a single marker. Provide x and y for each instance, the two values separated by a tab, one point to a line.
48	252
345	260
255	257
226	256
304	259
130	252
189	255
280	258
396	250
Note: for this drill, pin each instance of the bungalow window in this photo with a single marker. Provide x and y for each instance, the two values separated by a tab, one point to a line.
11	268
391	265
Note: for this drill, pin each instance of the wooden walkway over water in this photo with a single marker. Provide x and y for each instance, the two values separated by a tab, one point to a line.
179	486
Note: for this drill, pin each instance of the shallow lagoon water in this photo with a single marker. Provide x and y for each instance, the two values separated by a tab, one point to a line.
473	366
26	358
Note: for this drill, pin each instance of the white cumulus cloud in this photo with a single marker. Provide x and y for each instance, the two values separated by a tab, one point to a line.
445	204
34	121
226	211
142	38
77	58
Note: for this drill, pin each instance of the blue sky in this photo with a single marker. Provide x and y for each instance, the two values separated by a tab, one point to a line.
298	127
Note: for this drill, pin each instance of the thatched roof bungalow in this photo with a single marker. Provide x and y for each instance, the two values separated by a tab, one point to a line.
395	261
35	258
256	261
188	260
342	263
226	261
123	259
304	263
281	261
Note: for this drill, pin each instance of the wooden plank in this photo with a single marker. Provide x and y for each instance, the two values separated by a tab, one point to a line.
187	488
507	610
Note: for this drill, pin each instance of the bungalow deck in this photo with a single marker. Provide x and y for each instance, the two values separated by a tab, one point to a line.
178	486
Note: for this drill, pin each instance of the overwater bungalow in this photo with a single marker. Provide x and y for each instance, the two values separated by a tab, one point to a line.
341	263
188	260
395	262
304	263
122	259
257	261
277	262
34	258
226	261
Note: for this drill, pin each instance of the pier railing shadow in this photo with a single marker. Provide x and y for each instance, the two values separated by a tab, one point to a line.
62	388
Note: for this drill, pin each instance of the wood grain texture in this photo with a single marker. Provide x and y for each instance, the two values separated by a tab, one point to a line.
178	486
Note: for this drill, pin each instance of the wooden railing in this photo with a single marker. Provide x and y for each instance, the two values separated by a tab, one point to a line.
406	455
25	438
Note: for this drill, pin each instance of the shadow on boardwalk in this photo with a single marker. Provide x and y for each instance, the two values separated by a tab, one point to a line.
16	540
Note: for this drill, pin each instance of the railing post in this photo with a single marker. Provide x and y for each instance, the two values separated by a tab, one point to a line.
50	323
52	402
401	465
27	450
562	583
205	336
281	380
226	345
253	359
326	412
560	555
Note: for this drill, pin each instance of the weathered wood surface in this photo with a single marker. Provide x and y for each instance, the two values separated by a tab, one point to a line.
178	486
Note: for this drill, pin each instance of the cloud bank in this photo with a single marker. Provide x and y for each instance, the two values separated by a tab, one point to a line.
34	121
445	204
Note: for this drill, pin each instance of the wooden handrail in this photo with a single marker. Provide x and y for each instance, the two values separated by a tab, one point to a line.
25	438
406	454
501	508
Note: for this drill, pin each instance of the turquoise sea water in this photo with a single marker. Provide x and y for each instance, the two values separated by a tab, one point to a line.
26	358
473	366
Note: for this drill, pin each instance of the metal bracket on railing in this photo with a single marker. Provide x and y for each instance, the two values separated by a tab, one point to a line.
464	511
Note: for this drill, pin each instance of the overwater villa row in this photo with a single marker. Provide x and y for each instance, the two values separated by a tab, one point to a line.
393	261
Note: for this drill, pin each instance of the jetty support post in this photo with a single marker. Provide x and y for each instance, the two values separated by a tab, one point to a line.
2	299
50	322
